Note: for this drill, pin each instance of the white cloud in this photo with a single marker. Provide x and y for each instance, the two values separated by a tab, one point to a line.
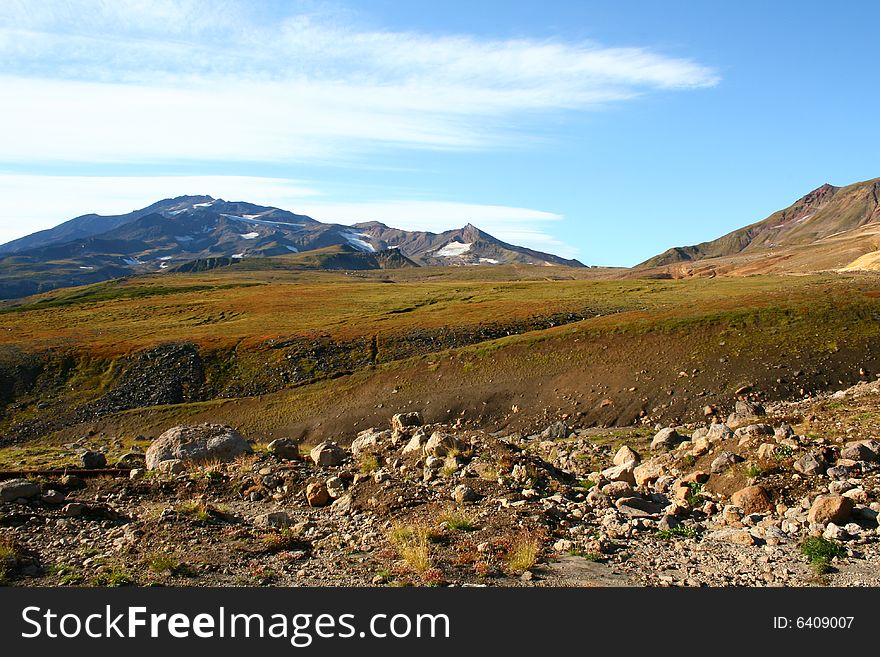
186	79
35	202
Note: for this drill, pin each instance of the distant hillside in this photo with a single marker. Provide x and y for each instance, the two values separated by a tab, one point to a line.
827	228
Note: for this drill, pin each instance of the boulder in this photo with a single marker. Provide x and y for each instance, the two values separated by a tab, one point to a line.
617	489
403	421
811	464
335	487
724	461
284	448
752	499
93	460
368	440
328	454
626	455
858	451
830	508
14	489
718	431
647	472
666	439
317	495
556	431
197	443
636	507
621	473
464	494
415	445
442	444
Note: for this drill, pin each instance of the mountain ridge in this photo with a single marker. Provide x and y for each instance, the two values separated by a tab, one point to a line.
199	228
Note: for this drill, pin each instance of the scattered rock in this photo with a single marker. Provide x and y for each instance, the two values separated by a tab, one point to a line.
93	460
724	461
753	499
626	455
328	454
317	495
810	464
464	494
284	448
442	444
18	489
830	508
403	421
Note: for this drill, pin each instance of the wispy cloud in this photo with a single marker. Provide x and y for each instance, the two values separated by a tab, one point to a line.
35	202
174	80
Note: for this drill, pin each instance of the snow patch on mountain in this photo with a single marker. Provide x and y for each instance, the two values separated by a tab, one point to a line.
355	240
249	236
453	249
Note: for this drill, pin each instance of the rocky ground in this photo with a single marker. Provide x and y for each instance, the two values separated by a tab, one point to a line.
782	496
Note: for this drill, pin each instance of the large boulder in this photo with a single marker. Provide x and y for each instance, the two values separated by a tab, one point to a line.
830	508
403	421
198	443
626	455
666	439
369	440
442	444
18	488
328	454
752	499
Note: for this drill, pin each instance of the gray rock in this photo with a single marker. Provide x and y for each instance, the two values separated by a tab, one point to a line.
724	461
732	536
555	431
626	455
197	444
811	464
132	460
18	489
719	431
416	444
328	454
747	408
464	494
403	421
636	507
666	439
171	466
621	473
442	444
368	440
73	510
284	448
858	451
53	497
343	505
93	460
335	487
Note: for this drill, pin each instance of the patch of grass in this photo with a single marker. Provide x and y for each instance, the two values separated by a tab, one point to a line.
113	576
695	498
680	531
752	471
413	545
194	509
523	553
458	521
783	452
369	464
284	539
586	484
589	556
8	559
821	552
162	563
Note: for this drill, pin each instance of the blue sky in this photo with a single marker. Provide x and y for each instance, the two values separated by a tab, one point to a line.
606	131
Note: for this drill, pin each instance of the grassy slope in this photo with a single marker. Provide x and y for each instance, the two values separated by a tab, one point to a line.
765	329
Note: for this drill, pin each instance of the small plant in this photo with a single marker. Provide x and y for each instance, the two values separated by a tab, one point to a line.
589	556
695	498
285	539
752	471
820	552
369	464
413	545
196	510
448	471
8	559
458	521
783	452
112	576
523	553
680	531
162	563
586	484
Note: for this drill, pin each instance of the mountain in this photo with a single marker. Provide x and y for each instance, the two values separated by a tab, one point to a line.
829	228
195	233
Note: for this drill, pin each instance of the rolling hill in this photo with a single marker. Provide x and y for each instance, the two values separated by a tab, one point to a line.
828	229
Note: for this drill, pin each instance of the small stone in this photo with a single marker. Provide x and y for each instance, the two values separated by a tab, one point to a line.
73	509
442	444
666	439
402	421
620	473
273	519
171	466
724	461
335	487
136	474
53	497
464	494
626	455
647	472
732	536
810	465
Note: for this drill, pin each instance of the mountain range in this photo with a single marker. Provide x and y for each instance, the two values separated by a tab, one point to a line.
194	233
